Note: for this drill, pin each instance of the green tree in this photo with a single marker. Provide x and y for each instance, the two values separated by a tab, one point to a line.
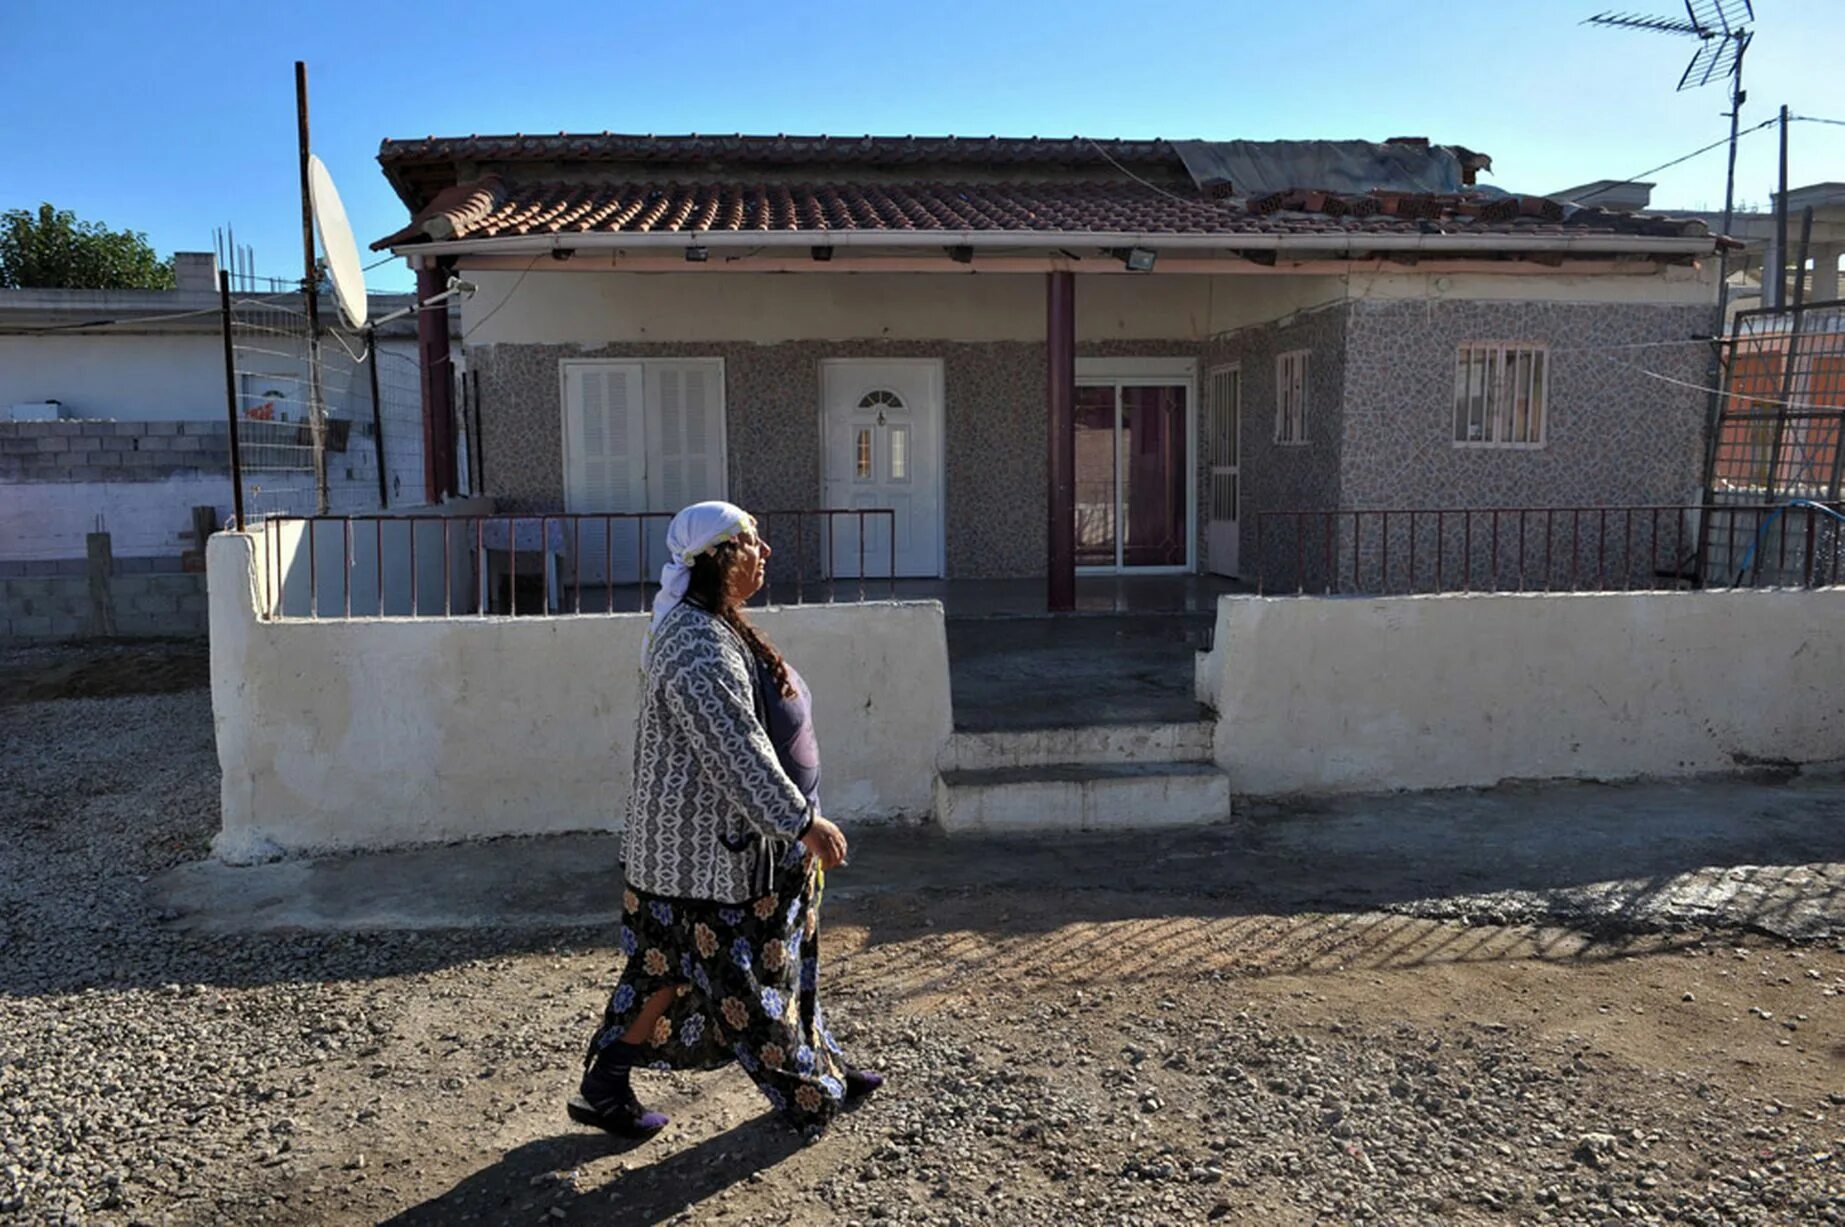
53	250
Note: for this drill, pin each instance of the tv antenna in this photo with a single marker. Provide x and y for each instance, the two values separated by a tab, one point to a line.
1722	30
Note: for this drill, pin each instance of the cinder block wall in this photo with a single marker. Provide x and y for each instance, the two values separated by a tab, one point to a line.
147	597
111	451
56	598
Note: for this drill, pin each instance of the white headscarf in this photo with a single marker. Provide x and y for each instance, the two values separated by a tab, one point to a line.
694	531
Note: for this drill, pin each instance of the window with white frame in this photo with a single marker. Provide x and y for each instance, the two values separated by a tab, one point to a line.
1291	397
1499	394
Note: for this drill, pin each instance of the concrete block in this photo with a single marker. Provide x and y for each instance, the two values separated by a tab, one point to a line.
36	627
129	585
1087	798
116	443
154	603
1188	742
156	430
96	429
23	588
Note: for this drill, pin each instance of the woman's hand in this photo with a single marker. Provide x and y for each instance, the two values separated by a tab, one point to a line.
825	841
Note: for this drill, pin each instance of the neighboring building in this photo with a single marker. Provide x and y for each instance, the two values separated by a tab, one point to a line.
113	423
1754	231
891	322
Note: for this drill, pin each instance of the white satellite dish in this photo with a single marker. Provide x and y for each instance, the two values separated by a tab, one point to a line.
343	266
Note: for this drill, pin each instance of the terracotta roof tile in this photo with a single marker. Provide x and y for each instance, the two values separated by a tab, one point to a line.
492	208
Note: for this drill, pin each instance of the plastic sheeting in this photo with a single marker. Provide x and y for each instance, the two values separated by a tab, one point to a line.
1256	168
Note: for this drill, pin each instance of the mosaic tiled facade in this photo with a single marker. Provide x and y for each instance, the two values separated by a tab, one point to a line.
1278	477
994	424
1379	424
1621	431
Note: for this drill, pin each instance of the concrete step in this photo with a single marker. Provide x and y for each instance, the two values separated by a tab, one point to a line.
1081	797
1086	745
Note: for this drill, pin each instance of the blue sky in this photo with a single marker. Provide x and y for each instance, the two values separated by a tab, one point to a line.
175	118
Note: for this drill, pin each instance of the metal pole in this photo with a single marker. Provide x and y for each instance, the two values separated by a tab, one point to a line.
230	399
1779	297
384	493
310	290
1786	406
1060	349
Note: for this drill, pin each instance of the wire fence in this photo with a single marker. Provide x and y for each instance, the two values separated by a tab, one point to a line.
363	451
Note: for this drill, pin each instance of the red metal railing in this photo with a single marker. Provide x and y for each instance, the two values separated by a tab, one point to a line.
431	566
1549	549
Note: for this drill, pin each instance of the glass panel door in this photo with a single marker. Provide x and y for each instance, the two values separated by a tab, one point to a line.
1153	486
1097	505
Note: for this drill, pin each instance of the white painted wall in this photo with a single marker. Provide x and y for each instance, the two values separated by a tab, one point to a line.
377	732
1363	695
595	308
171	376
151	519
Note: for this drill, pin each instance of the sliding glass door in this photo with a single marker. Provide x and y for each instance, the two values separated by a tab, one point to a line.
1133	492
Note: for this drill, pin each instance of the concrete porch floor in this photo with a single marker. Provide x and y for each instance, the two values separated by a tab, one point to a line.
1125	656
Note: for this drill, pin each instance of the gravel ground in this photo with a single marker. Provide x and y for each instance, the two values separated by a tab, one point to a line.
1055	1058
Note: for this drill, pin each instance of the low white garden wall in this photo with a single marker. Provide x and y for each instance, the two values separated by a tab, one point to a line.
373	732
1358	695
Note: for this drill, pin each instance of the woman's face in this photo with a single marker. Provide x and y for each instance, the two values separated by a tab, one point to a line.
750	568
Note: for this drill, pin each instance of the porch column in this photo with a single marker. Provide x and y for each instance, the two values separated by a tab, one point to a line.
438	386
1060	348
1825	274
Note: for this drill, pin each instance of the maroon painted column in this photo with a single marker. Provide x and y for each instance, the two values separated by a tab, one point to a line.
438	387
1060	384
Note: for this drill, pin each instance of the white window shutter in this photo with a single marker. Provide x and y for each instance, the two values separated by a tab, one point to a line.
687	412
607	451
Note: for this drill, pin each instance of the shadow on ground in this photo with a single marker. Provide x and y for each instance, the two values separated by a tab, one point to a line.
1355	881
644	1195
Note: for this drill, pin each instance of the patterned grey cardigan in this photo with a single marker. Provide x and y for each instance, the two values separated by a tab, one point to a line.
708	788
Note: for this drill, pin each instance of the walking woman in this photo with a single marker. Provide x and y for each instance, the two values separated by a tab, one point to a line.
724	850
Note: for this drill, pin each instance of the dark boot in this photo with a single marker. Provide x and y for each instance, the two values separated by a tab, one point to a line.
861	1082
606	1100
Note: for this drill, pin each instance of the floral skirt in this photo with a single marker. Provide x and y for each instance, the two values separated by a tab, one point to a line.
747	976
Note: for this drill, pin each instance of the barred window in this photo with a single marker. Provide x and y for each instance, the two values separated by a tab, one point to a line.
1291	397
1499	394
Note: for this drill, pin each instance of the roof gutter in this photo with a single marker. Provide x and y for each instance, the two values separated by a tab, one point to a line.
1314	244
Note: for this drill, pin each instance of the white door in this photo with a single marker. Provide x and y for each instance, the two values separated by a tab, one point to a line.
883	441
638	436
1223	540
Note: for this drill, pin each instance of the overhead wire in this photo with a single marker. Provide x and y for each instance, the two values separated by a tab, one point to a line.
513	289
1609	187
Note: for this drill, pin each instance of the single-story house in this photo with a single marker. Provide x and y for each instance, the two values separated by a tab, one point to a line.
1049	355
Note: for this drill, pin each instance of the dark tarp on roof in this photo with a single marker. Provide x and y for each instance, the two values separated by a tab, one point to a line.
1256	168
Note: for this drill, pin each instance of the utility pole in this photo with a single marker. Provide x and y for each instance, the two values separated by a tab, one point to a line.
310	290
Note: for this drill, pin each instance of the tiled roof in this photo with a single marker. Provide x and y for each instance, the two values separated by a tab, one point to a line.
493	208
776	150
